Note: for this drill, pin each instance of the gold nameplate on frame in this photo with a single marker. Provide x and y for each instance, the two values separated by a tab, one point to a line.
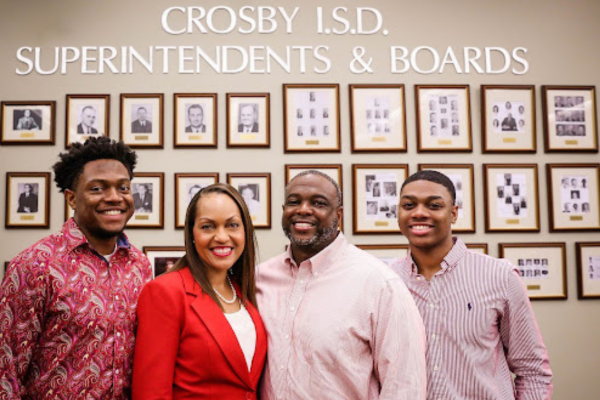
315	142
27	217
573	142
247	137
444	141
509	140
27	135
253	218
382	223
195	137
576	217
534	287
513	221
379	139
142	217
141	137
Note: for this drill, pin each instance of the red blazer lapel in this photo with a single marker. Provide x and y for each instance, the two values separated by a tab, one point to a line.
218	326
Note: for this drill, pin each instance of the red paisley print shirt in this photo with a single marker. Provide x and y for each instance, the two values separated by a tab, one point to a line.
67	319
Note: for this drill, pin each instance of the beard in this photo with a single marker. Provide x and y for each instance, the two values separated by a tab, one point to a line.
318	241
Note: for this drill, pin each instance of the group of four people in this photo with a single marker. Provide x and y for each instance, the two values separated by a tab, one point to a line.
80	319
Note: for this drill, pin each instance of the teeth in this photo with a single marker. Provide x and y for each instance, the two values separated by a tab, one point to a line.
112	212
420	227
223	250
302	225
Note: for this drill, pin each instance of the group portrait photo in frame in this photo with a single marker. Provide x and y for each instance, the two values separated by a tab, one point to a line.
388	253
256	192
375	197
574	197
570	118
27	200
195	120
511	198
542	267
27	122
248	120
187	184
334	171
87	115
378	118
462	177
508	119
311	115
443	118
588	270
147	189
142	120
163	258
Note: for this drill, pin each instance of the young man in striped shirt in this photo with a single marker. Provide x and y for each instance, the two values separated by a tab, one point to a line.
478	320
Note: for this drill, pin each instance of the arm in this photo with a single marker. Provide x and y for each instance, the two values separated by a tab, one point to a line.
399	344
160	313
525	350
22	301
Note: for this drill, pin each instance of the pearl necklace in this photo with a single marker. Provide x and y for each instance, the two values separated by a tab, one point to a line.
223	298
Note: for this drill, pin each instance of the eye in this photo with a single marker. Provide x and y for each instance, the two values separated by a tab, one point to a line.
125	188
320	203
205	227
407	205
292	202
435	206
95	189
235	225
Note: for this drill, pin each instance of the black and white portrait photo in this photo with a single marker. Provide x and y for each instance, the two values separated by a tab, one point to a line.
533	268
251	195
141	117
511	190
381	196
142	197
27	119
574	195
506	114
195	119
87	120
248	118
28	197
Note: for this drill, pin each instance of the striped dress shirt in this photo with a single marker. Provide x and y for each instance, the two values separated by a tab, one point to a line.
480	327
340	326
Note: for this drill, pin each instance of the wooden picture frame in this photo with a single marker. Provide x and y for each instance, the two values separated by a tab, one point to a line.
378	118
148	192
248	120
161	257
588	270
375	197
87	115
508	122
187	184
478	247
574	197
27	122
511	197
311	118
388	253
142	120
443	118
462	176
542	266
570	118
195	120
255	189
27	200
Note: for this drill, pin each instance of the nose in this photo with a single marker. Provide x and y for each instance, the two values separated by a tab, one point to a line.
304	208
112	195
420	211
221	235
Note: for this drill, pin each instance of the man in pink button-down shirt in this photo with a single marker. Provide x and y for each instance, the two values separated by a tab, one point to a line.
340	323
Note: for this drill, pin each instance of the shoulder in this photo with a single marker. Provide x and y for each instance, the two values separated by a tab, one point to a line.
367	265
489	270
166	285
271	264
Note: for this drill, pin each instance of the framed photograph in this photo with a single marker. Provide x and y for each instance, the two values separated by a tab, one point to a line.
311	118
508	119
332	170
588	270
186	187
570	118
87	115
256	191
195	120
478	247
147	189
511	198
388	253
574	194
27	200
163	258
443	118
27	122
542	266
375	197
461	176
142	120
248	120
377	118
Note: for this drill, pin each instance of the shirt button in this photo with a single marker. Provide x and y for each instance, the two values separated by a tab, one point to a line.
281	367
287	337
431	306
301	281
292	308
116	371
418	278
116	297
118	334
435	368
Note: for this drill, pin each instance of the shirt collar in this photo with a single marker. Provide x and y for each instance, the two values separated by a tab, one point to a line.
75	237
323	259
451	259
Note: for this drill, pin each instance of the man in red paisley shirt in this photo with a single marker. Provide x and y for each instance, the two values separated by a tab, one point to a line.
67	303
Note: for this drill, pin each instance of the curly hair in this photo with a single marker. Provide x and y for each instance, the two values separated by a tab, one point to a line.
70	167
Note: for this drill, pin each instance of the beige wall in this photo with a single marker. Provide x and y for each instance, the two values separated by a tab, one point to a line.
562	38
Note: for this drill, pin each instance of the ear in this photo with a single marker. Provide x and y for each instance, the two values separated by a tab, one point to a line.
454	213
70	198
340	213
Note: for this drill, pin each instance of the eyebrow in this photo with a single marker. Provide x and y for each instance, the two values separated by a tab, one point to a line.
430	198
212	220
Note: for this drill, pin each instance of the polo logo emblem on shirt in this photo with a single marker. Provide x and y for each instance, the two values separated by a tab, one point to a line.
469	305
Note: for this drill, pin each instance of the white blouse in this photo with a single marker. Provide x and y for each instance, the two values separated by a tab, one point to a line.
245	331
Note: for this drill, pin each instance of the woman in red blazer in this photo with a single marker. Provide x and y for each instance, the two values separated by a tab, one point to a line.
199	333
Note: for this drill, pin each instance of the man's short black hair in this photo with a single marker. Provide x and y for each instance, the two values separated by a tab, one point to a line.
72	162
435	177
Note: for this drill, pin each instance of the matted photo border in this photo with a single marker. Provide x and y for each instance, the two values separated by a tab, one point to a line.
255	189
191	108
30	123
142	120
248	120
588	270
86	115
27	200
162	258
149	206
187	184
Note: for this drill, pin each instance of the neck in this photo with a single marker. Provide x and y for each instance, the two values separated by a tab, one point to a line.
303	253
218	279
429	260
102	245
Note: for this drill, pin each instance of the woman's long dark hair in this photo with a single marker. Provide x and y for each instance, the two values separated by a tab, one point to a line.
243	269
